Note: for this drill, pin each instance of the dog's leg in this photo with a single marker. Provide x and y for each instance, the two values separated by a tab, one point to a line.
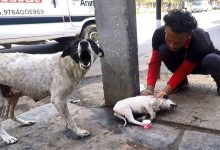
144	117
6	110
12	101
128	114
5	136
151	112
62	108
133	121
121	117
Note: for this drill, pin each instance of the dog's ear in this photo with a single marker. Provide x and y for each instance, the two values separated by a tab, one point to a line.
98	50
72	50
66	51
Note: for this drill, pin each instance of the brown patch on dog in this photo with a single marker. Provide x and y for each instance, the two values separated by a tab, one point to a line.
7	91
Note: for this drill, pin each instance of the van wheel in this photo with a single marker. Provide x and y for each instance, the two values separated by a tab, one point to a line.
90	32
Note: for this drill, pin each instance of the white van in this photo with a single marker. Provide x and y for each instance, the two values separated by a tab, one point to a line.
28	21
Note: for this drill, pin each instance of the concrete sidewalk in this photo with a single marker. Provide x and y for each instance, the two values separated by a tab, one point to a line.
193	126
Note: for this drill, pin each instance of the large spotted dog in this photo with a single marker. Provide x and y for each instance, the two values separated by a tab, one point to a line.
40	75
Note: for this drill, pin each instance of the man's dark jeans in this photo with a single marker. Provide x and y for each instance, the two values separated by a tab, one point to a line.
210	64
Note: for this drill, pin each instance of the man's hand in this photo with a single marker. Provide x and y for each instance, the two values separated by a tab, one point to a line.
167	89
148	91
161	94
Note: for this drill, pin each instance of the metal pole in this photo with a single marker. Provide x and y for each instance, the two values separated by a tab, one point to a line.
158	13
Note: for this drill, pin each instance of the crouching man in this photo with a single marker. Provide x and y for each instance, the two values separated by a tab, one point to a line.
184	49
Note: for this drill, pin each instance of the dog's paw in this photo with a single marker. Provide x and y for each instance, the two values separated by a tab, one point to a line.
10	140
82	133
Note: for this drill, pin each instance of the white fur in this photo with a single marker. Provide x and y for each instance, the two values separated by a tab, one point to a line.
125	108
35	75
38	76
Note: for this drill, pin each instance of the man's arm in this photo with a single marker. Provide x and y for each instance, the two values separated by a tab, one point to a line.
153	72
178	76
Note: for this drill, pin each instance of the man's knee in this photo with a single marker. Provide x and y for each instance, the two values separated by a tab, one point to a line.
210	63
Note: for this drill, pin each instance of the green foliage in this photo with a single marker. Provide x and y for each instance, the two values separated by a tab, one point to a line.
142	2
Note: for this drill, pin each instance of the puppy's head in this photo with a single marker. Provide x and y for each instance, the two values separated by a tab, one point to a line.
84	52
167	104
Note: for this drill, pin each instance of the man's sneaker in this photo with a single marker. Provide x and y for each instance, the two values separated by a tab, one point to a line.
183	85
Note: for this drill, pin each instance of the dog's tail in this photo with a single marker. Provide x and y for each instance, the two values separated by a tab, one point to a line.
121	117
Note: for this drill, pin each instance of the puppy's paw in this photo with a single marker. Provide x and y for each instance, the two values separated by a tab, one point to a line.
151	119
141	124
82	133
140	119
152	116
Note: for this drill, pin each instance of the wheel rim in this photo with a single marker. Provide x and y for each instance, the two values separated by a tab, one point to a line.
93	36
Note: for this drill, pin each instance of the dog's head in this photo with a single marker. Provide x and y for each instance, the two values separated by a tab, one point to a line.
167	104
84	52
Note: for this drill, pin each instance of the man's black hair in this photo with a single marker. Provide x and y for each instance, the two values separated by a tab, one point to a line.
180	21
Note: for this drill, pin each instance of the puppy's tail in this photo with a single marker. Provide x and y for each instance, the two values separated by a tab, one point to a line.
121	117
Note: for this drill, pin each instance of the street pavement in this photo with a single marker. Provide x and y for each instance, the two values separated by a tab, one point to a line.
194	125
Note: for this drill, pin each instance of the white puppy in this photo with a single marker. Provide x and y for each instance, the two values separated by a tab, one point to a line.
41	75
124	109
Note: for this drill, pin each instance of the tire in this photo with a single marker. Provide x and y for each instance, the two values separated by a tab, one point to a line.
90	32
65	40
